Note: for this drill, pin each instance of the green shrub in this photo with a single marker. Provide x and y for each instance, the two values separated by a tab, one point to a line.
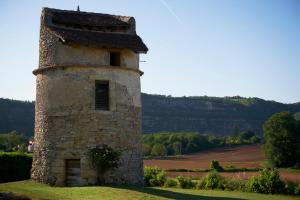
297	189
201	184
215	165
185	182
290	187
14	166
239	169
154	176
103	158
212	180
268	182
170	183
234	184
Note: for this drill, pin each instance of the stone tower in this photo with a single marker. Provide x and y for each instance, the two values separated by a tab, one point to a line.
87	94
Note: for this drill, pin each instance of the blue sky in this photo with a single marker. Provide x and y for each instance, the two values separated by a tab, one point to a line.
249	48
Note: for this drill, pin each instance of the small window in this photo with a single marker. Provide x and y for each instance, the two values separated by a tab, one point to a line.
115	58
101	95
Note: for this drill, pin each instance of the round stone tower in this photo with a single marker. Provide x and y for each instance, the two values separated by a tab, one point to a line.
87	94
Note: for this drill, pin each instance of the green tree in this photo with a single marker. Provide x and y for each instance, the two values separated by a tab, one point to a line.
177	148
267	182
297	116
254	139
104	158
215	165
246	135
11	141
282	140
146	149
159	150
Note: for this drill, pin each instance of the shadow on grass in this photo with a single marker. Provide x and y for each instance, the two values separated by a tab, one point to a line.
171	194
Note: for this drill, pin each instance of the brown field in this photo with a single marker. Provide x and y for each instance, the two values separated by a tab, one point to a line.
243	156
250	156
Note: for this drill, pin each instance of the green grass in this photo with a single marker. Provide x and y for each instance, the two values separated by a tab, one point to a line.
226	169
291	170
44	192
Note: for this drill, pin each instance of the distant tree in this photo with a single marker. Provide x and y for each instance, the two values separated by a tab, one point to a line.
297	116
246	135
177	148
254	140
159	150
169	148
215	165
12	141
177	143
191	147
146	149
282	140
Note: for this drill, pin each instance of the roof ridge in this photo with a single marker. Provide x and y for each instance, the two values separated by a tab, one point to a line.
121	17
52	27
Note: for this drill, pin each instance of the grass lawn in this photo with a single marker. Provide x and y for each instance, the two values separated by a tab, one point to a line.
289	170
44	192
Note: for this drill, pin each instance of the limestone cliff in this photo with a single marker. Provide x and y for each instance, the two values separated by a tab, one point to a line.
164	113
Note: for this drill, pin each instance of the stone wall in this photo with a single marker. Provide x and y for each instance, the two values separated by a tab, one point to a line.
80	55
54	53
67	125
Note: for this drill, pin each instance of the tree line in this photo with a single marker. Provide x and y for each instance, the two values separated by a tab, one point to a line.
168	143
13	141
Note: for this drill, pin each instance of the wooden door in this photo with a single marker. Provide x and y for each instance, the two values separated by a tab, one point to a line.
73	172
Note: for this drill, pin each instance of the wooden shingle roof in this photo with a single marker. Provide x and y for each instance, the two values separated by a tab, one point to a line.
93	29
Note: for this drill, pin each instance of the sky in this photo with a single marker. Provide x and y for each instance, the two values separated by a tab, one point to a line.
249	48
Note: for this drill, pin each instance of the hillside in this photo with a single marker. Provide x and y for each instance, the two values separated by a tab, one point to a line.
297	116
212	115
16	115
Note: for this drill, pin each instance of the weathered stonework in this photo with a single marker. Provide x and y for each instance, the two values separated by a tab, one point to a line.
67	125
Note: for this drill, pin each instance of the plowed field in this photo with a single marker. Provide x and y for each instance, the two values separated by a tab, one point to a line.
249	156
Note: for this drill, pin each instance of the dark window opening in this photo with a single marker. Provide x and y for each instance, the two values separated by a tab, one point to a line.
115	58
101	95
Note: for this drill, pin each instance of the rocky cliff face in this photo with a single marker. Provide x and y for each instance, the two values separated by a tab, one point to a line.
164	113
211	115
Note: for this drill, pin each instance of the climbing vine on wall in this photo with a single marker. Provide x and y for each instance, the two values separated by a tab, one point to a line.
104	158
